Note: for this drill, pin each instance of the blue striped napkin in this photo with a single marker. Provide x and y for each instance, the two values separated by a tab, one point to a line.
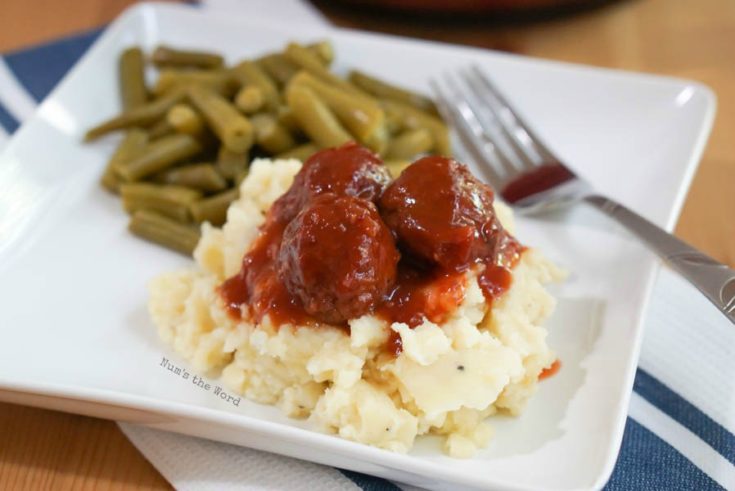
679	433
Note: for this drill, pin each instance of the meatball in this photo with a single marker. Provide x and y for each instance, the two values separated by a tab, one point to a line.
349	170
441	214
338	258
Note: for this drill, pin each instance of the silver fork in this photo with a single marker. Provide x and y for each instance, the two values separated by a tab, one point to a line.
530	177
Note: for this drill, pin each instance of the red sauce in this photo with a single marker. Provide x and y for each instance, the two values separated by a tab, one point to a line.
494	281
538	180
551	371
325	255
257	286
394	345
421	294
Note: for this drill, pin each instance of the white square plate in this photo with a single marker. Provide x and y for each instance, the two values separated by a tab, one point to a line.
76	335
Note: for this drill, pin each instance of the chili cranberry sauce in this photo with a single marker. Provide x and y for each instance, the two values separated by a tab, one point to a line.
345	241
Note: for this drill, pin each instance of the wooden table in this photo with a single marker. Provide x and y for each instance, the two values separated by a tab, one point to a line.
683	38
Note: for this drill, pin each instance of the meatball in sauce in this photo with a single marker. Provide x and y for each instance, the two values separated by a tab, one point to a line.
338	257
349	170
441	214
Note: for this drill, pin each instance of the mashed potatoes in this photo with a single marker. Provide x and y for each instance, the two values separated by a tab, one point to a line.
447	381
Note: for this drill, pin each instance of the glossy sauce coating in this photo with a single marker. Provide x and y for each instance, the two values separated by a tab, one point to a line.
349	170
338	258
441	213
257	286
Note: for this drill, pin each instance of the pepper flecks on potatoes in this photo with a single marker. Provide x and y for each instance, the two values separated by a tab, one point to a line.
338	257
349	170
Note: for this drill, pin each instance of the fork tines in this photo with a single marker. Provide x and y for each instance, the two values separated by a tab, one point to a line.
489	129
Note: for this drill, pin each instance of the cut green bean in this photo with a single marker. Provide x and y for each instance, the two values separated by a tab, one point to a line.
184	119
171	201
231	127
131	145
164	231
160	129
317	121
302	152
203	177
302	57
164	56
393	119
278	67
409	144
412	118
270	135
250	99
362	117
230	164
285	117
132	82
140	116
159	155
221	81
213	209
324	50
248	73
384	90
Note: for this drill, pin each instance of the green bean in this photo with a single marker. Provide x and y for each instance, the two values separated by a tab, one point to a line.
301	56
248	73
213	209
171	201
270	135
324	50
231	165
131	145
395	167
184	119
278	67
132	82
286	118
159	155
220	81
409	144
315	118
393	119
413	118
378	140
161	230
360	116
160	129
164	56
231	127
302	152
140	116
384	90
203	177
250	99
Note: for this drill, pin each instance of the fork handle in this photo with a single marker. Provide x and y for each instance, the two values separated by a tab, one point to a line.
715	280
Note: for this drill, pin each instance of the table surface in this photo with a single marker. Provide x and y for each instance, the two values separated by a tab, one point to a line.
683	38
